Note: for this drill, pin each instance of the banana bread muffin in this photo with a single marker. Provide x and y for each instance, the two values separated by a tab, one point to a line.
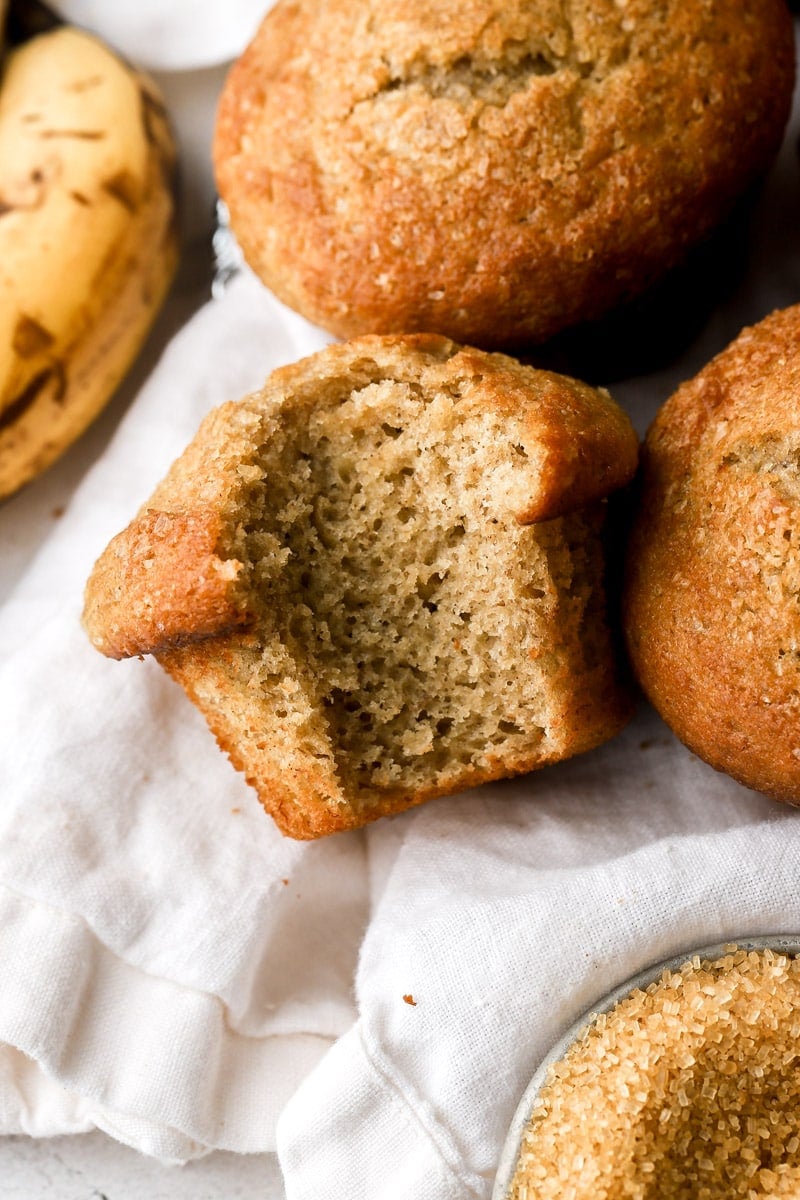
493	172
382	577
711	612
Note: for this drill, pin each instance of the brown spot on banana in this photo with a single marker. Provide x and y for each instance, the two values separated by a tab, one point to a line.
114	194
30	191
155	122
30	337
125	188
30	394
83	85
85	135
154	115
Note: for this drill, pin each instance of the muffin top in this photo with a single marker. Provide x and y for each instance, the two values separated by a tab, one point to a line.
496	172
711	612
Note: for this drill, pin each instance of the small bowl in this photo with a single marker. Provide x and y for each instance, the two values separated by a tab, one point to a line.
787	944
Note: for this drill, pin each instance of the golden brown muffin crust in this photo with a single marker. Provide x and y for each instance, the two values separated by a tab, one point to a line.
496	173
169	577
712	618
381	578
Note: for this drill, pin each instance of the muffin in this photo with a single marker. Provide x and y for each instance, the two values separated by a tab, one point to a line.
381	578
494	172
713	574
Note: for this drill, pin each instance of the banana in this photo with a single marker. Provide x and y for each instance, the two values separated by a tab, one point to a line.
88	243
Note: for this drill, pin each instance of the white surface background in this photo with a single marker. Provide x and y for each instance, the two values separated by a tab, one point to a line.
90	1166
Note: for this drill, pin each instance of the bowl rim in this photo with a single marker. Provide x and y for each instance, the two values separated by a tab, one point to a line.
788	944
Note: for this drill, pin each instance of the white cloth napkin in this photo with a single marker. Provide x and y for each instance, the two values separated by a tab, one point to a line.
167	957
505	914
176	973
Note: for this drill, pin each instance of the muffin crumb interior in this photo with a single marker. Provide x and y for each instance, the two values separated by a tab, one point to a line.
398	592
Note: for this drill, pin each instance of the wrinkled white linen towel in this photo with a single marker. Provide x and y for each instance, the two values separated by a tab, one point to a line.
504	914
167	956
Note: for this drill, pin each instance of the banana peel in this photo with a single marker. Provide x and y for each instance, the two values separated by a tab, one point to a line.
88	240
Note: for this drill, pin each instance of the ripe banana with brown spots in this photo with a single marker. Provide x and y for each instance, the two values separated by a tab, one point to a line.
88	243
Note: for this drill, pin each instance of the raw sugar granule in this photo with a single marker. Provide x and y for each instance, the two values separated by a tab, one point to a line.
688	1089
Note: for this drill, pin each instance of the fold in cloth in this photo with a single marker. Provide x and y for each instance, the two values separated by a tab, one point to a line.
171	964
504	914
